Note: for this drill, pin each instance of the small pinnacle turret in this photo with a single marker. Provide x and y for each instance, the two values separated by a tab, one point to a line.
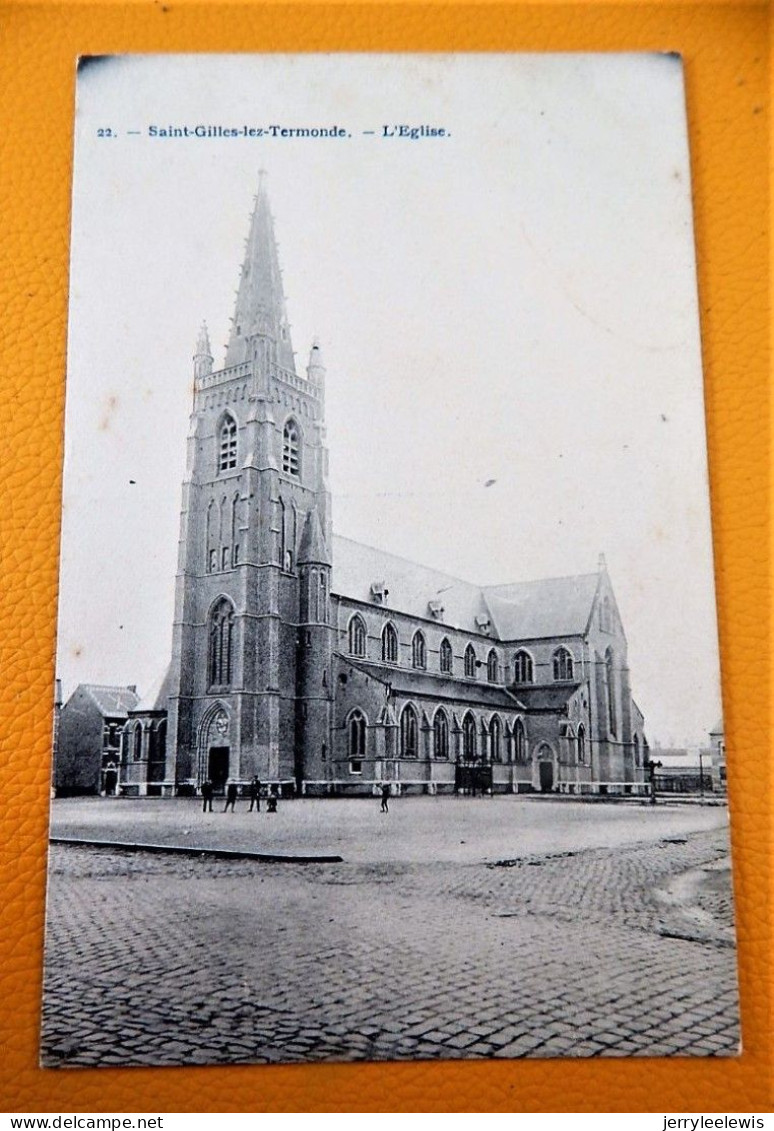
315	370
313	549
203	359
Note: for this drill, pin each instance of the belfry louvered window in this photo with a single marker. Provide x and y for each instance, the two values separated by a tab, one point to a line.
291	460
227	449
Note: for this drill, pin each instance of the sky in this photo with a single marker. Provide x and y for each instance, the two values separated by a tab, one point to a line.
507	313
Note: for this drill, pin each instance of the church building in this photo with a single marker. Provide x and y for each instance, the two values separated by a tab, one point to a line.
325	666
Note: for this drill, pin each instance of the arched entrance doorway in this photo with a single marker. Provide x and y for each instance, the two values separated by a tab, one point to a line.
215	748
545	769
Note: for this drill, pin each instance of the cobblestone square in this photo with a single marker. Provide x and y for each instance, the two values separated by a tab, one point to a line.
452	928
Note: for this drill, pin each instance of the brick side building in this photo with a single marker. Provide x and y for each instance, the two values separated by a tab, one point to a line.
87	751
329	666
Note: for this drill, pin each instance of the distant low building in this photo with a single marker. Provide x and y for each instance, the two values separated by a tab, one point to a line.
683	769
718	756
87	754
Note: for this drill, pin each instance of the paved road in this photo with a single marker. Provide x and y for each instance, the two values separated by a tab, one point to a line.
590	950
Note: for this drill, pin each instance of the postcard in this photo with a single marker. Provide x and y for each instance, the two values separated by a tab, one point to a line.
388	719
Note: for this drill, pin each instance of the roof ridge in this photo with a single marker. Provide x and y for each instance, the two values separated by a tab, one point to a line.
455	577
535	580
110	686
408	561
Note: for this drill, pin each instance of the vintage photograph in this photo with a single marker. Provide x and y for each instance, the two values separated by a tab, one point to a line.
388	720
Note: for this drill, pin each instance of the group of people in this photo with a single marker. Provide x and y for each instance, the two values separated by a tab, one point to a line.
256	792
271	796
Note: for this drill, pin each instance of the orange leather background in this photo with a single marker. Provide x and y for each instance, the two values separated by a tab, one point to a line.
725	48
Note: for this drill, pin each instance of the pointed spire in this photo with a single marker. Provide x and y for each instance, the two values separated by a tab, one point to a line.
315	370
312	548
260	303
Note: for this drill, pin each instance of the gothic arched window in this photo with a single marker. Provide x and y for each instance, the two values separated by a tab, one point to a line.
610	686
581	744
470	662
522	667
227	444
446	657
637	761
137	745
492	667
469	738
440	734
221	641
356	741
389	645
357	636
409	733
418	651
563	666
496	739
519	743
291	449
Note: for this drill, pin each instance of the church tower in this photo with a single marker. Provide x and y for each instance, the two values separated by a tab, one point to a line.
250	691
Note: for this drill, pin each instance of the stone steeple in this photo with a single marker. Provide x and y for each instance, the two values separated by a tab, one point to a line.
260	325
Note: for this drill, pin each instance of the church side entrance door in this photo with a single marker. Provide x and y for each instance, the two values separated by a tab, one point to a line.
218	767
546	777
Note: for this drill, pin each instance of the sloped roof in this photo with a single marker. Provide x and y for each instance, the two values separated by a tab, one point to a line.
112	702
523	610
411	586
157	696
548	698
553	606
409	682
